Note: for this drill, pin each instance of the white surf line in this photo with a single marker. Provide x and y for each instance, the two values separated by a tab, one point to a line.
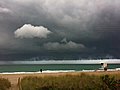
109	61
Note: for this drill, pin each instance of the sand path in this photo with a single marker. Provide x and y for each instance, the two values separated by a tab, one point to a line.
14	80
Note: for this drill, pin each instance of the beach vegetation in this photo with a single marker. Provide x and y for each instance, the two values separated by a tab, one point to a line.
4	84
110	82
70	82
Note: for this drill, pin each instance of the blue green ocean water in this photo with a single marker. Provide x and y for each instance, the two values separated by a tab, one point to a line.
52	67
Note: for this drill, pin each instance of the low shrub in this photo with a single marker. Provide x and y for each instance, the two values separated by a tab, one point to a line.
4	84
67	82
70	82
110	82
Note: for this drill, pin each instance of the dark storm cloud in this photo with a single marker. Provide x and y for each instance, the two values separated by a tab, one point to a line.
95	24
64	45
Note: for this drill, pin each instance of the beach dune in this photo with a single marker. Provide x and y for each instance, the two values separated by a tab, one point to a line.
13	78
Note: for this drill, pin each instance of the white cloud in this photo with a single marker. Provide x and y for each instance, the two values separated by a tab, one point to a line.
29	31
4	10
64	46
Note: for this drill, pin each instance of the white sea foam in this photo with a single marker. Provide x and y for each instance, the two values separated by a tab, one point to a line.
58	71
109	61
88	70
46	71
118	69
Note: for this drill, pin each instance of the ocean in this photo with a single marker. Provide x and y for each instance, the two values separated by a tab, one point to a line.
56	66
53	67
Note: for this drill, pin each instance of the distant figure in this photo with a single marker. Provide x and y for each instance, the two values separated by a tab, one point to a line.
105	66
41	70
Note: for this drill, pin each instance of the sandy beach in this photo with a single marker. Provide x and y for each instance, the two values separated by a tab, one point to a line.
13	78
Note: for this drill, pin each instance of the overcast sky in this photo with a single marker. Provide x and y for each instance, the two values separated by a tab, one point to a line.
59	28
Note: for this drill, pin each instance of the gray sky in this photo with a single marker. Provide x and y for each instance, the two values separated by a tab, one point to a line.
59	28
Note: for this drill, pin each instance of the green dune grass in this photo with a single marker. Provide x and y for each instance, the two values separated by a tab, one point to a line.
70	82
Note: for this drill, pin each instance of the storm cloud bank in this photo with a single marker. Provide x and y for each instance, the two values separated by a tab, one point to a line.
64	45
90	28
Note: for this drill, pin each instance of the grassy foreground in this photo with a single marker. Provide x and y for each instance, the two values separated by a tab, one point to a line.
71	82
4	84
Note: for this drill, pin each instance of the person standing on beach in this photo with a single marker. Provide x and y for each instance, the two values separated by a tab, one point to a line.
41	70
105	66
